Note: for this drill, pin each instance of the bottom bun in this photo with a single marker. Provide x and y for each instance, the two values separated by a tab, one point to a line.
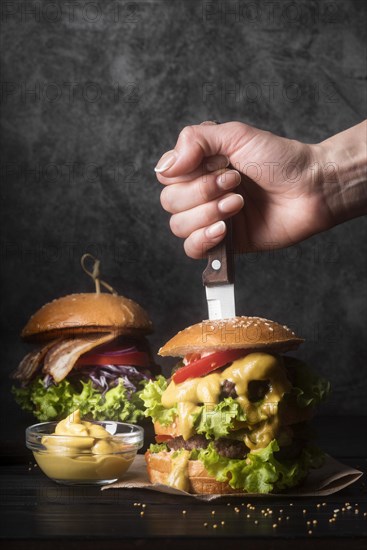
160	467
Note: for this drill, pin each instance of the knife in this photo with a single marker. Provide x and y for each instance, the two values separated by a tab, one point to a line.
218	278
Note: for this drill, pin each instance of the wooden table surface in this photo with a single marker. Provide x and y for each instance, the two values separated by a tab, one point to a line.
37	513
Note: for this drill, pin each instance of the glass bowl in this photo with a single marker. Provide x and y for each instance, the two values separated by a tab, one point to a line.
75	459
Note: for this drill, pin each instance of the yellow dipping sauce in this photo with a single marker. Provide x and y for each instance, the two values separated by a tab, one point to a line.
83	451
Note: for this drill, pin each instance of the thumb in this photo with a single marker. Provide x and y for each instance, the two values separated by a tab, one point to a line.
197	142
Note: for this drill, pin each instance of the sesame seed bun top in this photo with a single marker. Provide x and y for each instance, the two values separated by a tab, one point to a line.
234	333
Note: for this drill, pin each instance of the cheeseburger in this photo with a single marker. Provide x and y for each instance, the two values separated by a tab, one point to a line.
90	354
233	417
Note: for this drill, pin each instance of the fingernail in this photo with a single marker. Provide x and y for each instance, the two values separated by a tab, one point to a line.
231	203
215	230
213	166
165	162
228	179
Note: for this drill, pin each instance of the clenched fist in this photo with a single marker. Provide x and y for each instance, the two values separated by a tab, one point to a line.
278	191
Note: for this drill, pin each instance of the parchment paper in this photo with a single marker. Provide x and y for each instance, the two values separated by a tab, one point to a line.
330	478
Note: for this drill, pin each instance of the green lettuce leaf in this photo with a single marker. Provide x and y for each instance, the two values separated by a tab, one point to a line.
151	396
309	389
46	404
260	472
60	400
158	447
116	406
218	420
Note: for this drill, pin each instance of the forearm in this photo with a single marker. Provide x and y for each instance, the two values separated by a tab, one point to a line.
342	161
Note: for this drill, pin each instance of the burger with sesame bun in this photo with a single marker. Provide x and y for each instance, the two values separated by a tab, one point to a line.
233	416
89	353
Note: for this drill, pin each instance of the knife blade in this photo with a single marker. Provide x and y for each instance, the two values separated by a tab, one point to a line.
218	278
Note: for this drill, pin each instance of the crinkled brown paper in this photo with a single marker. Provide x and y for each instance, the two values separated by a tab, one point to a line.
330	478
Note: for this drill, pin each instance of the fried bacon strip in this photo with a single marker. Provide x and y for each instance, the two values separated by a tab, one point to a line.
31	363
58	357
61	358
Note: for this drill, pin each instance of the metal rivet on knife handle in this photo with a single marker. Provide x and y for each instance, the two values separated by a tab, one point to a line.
220	268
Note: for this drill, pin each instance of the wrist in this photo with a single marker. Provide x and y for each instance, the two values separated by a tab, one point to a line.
342	173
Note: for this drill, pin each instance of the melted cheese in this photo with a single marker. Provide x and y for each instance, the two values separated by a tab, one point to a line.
262	419
178	477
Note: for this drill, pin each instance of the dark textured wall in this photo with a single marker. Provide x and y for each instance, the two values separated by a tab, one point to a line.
94	92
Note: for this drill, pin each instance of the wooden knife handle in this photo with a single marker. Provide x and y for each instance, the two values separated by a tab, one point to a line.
220	268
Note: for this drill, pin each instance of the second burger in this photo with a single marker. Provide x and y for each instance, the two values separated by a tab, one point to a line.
90	353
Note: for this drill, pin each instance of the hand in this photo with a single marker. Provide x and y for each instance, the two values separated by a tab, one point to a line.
279	191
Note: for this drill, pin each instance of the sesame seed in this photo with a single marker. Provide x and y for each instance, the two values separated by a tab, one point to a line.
310	532
275	525
256	522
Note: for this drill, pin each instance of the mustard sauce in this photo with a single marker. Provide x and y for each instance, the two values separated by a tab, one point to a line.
262	419
83	451
179	477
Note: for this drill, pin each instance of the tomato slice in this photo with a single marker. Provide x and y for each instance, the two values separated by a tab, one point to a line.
209	363
162	438
135	358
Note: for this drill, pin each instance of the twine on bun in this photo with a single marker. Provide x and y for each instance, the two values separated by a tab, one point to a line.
95	273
